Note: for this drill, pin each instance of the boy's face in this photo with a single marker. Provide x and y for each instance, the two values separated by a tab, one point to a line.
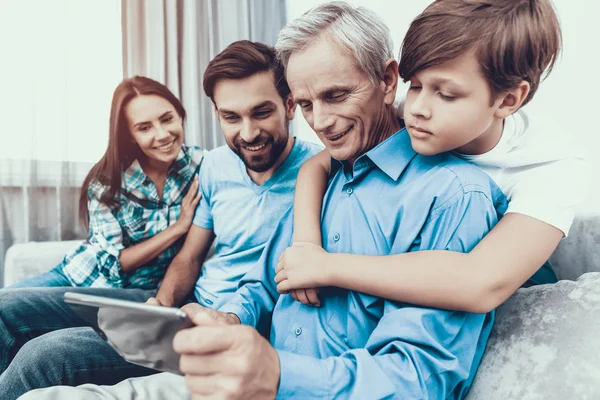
448	108
254	119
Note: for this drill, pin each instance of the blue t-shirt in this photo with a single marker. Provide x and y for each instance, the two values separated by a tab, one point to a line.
242	214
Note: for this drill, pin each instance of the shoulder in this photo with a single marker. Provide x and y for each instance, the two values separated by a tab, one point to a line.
220	165
448	179
96	190
194	154
221	156
307	149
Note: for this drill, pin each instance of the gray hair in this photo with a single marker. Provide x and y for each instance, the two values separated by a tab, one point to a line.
357	30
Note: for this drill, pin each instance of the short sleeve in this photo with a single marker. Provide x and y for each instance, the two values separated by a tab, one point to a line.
203	216
550	192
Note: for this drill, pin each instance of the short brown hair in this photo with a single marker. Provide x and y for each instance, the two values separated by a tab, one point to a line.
242	59
514	40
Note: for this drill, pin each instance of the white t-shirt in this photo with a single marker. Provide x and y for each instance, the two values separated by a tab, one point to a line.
542	173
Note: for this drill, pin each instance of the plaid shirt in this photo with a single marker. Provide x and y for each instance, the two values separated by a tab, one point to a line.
140	216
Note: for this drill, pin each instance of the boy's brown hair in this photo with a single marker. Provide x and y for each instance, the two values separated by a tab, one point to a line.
513	40
242	59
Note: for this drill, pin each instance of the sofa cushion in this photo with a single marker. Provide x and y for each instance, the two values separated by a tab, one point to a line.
580	251
544	344
25	260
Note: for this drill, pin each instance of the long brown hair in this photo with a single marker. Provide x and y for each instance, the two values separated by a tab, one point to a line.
122	150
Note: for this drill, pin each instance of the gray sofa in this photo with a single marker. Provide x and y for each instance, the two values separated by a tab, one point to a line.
546	339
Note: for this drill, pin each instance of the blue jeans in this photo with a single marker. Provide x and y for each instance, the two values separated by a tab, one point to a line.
54	277
43	342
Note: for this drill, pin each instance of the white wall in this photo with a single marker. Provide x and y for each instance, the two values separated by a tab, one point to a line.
567	101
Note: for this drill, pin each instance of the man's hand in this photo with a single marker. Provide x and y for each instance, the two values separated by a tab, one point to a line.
227	362
203	316
302	267
153	301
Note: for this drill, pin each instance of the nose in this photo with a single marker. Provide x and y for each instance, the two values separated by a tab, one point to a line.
420	107
322	118
250	131
162	132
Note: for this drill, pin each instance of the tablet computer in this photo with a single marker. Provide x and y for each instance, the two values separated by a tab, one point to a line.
141	333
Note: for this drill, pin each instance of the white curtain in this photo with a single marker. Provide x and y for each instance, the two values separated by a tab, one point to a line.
172	41
62	60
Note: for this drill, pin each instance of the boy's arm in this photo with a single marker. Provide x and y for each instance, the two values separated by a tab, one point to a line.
477	281
308	199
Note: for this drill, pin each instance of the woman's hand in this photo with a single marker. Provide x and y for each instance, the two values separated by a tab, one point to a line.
188	207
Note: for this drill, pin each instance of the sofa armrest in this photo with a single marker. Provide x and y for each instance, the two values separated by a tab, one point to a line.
26	260
544	344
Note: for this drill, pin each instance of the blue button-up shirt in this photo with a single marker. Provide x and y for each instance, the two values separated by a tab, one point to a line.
364	347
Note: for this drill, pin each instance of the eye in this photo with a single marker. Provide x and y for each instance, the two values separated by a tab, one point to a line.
305	105
446	97
144	128
338	95
231	118
414	88
167	119
262	114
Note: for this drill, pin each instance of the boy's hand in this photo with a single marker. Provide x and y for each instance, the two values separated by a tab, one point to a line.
307	296
302	266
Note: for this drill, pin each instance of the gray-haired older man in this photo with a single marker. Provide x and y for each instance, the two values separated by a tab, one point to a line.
341	71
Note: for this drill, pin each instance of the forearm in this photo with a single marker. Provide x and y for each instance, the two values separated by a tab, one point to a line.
136	256
352	375
477	281
437	278
310	188
407	359
179	281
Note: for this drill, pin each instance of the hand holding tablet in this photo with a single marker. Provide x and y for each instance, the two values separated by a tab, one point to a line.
141	333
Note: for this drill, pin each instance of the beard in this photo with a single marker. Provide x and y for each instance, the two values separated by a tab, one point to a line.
261	162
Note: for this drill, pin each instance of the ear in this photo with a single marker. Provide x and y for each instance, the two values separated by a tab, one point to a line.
511	100
389	83
290	107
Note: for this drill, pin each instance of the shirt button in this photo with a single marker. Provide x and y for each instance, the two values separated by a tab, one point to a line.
349	190
298	331
336	237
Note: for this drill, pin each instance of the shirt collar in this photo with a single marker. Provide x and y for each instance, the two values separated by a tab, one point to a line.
134	176
391	156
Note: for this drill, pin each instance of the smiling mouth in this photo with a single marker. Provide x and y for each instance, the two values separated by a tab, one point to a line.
166	147
256	148
340	135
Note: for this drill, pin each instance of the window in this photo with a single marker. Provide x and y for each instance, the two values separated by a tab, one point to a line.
61	61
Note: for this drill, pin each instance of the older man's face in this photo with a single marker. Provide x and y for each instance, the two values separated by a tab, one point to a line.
337	99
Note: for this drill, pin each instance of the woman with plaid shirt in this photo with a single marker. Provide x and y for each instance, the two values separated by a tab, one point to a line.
134	199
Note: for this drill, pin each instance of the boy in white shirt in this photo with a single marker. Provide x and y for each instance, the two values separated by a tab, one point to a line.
471	65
